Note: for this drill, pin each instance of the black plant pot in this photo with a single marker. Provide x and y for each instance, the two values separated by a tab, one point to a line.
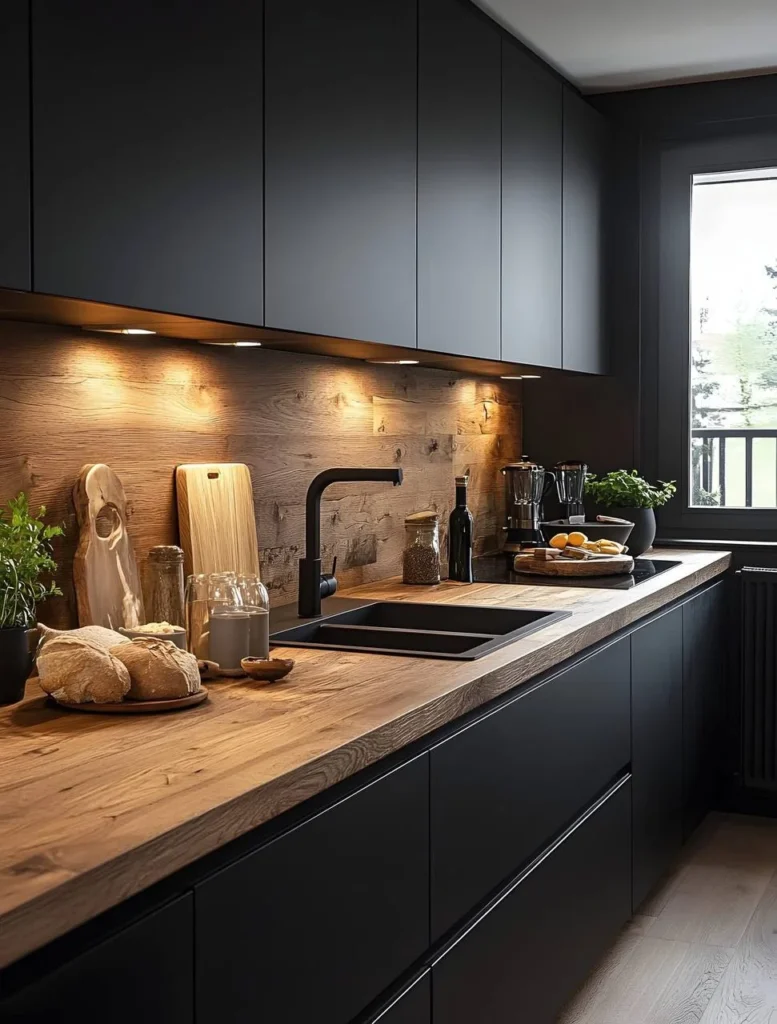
644	533
15	664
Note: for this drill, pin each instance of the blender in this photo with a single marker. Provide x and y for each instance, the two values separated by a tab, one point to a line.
570	486
526	484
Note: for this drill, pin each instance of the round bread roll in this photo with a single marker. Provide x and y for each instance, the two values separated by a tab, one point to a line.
100	634
158	669
78	670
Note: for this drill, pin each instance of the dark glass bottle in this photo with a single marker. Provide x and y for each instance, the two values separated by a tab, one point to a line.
460	531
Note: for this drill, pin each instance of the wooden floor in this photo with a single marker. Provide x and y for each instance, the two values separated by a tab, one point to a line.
703	949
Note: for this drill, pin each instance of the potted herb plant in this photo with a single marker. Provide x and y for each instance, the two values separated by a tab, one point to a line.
25	558
629	496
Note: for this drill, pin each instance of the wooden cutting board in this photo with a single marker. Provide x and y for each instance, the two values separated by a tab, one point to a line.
105	573
216	518
612	566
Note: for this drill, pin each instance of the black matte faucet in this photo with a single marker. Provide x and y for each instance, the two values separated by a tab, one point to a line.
313	584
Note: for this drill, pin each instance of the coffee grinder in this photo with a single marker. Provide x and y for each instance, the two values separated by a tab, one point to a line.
526	484
570	486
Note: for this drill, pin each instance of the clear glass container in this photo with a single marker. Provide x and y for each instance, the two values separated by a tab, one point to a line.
210	595
256	601
165	601
421	558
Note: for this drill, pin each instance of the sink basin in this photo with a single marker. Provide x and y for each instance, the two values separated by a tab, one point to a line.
460	632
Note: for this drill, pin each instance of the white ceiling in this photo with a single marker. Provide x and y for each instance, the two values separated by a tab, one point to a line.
619	44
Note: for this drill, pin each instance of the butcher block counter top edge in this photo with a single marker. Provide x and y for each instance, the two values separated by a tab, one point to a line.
95	809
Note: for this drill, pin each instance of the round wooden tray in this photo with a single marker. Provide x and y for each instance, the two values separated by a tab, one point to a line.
138	707
571	567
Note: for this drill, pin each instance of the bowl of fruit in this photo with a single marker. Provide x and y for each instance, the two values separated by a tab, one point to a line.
615	531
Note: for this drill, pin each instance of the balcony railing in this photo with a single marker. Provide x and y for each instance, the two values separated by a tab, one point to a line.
723	462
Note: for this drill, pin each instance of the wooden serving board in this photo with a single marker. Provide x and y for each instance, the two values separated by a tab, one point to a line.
138	707
612	566
105	573
216	518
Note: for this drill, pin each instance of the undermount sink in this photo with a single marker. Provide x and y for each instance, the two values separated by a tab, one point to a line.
459	632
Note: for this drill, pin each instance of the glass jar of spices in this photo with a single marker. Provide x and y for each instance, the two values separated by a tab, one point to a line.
421	559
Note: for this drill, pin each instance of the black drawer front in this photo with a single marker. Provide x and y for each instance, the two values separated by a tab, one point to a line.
313	926
413	1006
144	973
531	951
501	788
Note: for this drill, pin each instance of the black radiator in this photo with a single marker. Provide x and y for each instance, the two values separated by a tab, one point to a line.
758	638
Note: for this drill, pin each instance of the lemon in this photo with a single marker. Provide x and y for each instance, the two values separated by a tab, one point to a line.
559	540
576	539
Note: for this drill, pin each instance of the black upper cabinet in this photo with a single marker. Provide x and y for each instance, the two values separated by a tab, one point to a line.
341	81
531	210
147	154
656	738
705	678
15	162
316	924
459	158
143	973
586	145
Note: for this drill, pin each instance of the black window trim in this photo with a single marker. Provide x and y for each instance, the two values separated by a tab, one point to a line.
675	166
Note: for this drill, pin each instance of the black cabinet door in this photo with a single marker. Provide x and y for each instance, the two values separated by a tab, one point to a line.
341	81
584	337
459	157
15	162
705	675
413	1006
143	973
315	925
147	124
656	748
501	788
531	950
531	210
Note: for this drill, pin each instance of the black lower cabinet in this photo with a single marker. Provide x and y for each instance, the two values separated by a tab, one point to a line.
141	974
413	1006
657	737
317	923
528	954
705	677
502	788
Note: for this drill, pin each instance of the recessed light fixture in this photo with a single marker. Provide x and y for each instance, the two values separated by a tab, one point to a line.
116	330
231	343
394	362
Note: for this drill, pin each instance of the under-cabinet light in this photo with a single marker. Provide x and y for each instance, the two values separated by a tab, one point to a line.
394	362
116	330
510	376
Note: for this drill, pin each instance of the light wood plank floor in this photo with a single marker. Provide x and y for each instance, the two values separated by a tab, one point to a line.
703	949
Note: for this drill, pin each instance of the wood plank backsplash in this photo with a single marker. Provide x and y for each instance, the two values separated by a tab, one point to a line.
143	406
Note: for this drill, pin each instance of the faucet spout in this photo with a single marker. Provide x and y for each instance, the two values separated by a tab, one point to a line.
313	584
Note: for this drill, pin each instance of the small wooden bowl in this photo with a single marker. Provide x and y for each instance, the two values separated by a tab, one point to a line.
267	671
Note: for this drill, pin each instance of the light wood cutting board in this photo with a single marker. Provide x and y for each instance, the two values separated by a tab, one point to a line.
105	573
612	566
216	517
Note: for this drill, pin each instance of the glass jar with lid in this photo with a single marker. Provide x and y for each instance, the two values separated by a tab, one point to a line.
256	602
421	559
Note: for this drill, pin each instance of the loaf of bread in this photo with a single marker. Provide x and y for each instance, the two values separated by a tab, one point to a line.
99	634
76	669
158	669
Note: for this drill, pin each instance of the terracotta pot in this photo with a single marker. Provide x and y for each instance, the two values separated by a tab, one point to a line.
15	664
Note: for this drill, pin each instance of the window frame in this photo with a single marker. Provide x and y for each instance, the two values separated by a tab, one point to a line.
677	163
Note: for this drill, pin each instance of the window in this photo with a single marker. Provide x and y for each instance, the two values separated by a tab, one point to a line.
733	335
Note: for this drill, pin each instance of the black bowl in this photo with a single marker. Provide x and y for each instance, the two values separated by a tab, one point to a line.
593	531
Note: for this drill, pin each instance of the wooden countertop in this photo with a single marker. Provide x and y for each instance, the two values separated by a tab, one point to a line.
94	808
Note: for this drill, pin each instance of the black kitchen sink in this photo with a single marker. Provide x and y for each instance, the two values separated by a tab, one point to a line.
460	632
